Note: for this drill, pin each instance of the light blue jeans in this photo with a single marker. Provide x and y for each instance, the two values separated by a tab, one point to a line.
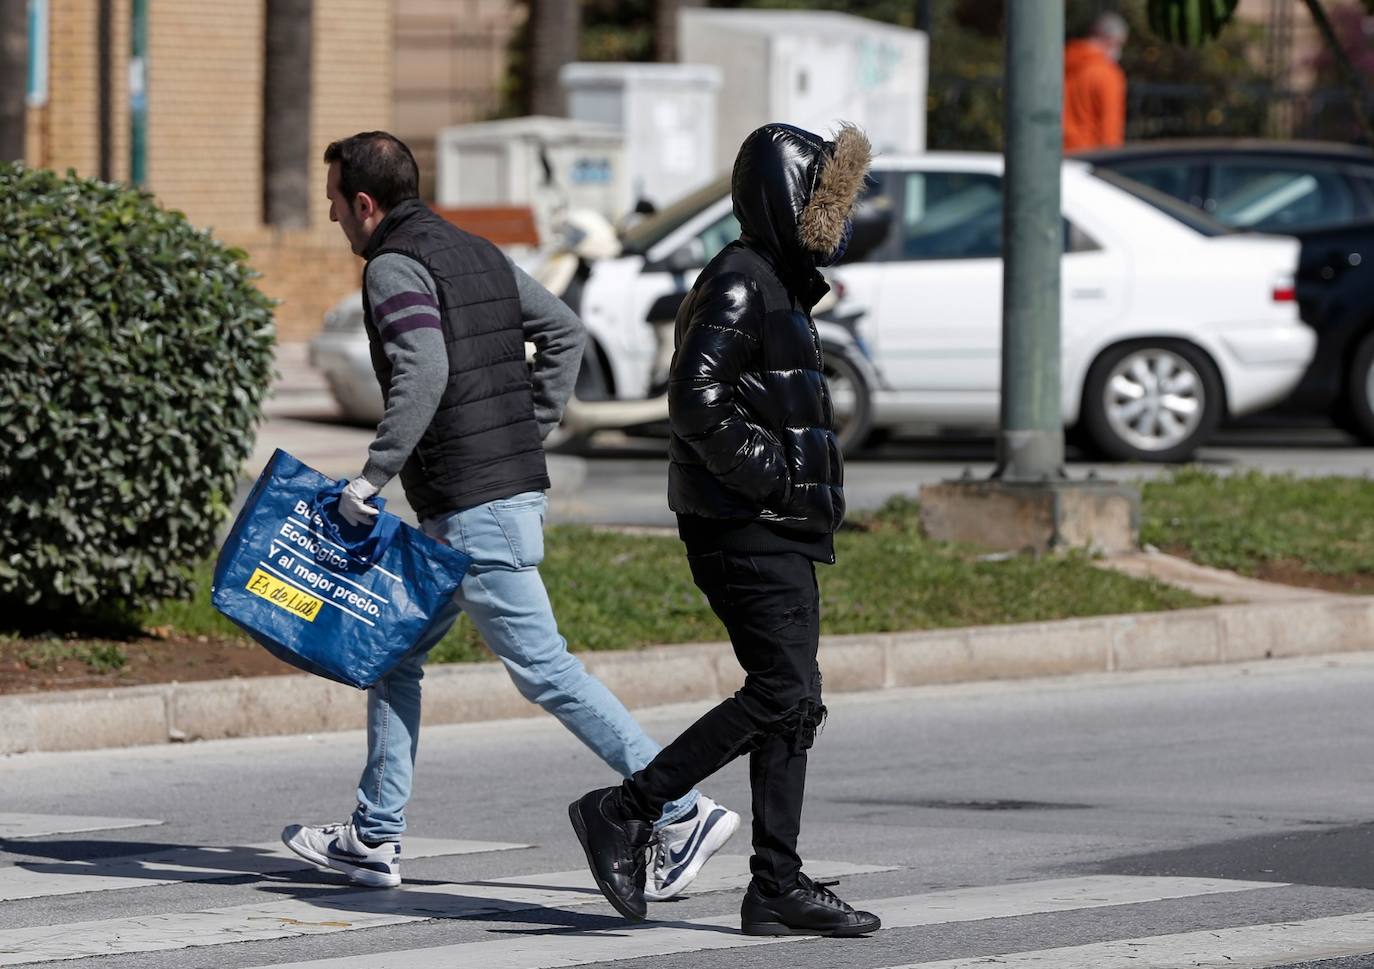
506	600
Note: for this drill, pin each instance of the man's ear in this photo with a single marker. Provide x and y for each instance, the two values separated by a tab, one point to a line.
364	206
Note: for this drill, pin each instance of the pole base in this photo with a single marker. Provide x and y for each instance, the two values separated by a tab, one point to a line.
1040	516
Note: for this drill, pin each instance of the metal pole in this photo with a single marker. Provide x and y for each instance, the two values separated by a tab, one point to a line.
138	93
1031	438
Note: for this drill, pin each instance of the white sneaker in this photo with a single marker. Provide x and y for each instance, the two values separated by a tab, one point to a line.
338	846
684	846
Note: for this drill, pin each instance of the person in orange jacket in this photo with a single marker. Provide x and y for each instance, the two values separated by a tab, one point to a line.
1095	86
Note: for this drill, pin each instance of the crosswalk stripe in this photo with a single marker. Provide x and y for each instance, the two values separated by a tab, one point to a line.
576	947
344	911
1244	947
38	825
39	879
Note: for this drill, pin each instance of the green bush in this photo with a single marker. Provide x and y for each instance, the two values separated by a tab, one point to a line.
135	358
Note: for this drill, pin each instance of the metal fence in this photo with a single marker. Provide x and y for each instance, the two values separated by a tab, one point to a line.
1255	111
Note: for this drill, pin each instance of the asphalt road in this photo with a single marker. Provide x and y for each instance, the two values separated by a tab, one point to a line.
624	481
1214	816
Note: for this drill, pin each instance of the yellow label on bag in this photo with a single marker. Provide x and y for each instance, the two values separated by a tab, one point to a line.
283	595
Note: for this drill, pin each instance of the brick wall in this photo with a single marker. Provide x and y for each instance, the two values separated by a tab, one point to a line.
352	80
205	74
121	30
450	65
70	123
306	270
205	109
65	133
311	270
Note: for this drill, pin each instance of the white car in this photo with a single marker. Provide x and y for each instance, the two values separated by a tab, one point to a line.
1170	322
340	352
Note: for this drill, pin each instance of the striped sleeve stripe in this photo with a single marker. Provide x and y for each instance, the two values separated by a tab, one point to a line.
419	321
402	301
419	311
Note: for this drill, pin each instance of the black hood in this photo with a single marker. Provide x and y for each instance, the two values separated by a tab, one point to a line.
774	175
792	193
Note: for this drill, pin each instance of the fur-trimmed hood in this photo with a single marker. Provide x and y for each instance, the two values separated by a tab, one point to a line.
793	191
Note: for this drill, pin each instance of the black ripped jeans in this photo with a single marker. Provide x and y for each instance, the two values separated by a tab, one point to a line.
771	608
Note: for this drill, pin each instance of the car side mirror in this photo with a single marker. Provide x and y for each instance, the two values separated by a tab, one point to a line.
872	226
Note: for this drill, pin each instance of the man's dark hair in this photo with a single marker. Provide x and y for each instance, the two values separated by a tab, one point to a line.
377	163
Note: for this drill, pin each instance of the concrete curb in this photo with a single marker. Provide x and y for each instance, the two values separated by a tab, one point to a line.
261	706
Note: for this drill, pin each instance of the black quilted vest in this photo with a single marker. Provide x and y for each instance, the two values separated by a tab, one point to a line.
483	443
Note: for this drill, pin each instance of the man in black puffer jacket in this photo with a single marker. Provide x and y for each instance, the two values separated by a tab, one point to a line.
757	482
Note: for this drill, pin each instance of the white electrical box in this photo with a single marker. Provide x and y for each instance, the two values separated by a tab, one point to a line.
813	70
547	164
668	115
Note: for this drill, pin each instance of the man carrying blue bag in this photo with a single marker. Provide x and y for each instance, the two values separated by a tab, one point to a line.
447	317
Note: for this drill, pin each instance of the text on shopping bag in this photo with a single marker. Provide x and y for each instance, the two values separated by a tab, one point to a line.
283	595
298	535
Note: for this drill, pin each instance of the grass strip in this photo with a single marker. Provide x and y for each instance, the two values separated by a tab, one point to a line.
1317	531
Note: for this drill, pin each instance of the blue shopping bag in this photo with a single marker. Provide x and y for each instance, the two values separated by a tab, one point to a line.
340	601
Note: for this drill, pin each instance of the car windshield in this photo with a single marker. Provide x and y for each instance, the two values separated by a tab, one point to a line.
1195	219
653	230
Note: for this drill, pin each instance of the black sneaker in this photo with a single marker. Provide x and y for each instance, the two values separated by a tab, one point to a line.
616	848
808	909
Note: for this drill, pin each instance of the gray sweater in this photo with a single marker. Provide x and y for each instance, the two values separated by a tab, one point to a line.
413	341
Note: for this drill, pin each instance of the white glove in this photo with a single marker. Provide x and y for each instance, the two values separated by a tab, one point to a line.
353	502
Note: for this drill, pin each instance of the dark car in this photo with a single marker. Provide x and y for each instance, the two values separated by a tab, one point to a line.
1336	296
1263	186
1323	194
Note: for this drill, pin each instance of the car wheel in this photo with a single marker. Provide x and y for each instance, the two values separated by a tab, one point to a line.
1151	402
1360	390
850	401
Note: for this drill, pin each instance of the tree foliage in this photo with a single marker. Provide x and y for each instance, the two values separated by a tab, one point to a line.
1189	22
